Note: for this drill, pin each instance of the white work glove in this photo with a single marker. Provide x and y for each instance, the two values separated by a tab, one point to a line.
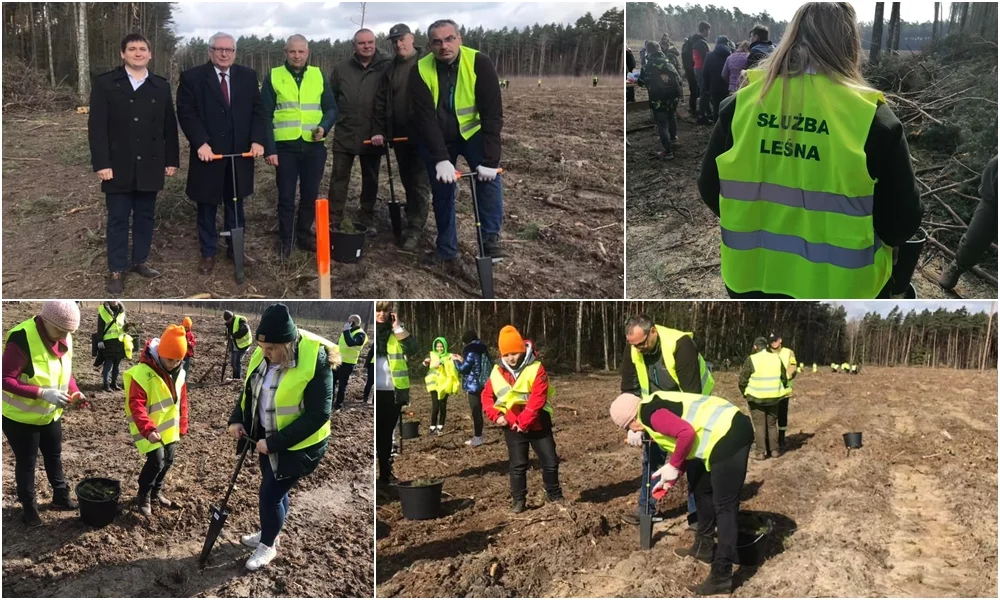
485	173
667	474
100	345
445	171
348	326
635	438
57	398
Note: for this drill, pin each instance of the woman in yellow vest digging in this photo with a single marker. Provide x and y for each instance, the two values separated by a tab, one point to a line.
516	397
809	170
156	406
285	405
441	381
37	385
710	439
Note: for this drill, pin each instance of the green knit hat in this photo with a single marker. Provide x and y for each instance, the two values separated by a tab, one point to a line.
276	326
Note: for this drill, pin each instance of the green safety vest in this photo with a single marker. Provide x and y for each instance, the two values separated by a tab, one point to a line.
668	344
117	329
465	89
711	418
288	404
397	364
349	354
244	340
765	381
507	395
788	358
49	372
164	408
298	109
795	197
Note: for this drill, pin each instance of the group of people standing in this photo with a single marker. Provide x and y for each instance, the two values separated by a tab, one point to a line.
445	103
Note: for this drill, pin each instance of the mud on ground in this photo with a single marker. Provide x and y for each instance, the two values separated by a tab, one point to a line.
913	513
326	545
563	216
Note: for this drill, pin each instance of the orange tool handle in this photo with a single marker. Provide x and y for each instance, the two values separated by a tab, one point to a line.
460	174
402	139
221	156
323	245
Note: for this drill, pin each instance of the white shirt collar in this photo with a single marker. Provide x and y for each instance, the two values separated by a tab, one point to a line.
145	76
218	71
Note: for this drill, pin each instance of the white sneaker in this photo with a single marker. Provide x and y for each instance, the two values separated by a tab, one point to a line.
253	540
261	557
475	441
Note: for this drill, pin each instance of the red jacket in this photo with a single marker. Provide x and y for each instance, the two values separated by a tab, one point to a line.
190	340
137	397
526	416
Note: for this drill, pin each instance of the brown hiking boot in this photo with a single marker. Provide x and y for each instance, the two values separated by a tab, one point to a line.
142	502
700	549
116	283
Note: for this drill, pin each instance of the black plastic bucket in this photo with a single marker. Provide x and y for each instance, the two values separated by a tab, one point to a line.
348	247
853	440
98	499
753	531
420	499
410	430
906	263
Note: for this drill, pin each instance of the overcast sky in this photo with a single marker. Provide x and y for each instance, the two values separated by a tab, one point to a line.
859	308
338	20
915	12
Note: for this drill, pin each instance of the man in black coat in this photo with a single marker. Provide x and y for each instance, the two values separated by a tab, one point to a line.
712	81
760	45
132	132
219	110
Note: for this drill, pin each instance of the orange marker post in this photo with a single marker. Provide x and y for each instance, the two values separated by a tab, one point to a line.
323	246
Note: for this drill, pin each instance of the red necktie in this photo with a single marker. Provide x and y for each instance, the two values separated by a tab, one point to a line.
225	88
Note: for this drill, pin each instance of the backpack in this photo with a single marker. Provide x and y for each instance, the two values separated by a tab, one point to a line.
687	55
485	368
664	82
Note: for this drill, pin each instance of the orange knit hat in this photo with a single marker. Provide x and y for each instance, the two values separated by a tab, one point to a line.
187	323
173	343
510	341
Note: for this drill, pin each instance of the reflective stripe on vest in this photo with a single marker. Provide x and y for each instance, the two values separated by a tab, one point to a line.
788	360
397	364
244	340
507	396
668	345
288	397
117	330
710	416
298	109
349	354
161	407
795	199
442	378
765	381
49	372
466	110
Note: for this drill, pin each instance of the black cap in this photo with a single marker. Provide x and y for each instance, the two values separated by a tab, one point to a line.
399	30
775	336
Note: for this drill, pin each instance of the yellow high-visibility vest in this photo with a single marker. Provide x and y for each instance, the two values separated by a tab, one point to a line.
668	344
398	369
466	110
349	354
244	340
711	418
49	372
298	109
765	381
116	330
507	396
162	406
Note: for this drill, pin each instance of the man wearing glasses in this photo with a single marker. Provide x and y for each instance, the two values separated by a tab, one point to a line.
457	109
219	110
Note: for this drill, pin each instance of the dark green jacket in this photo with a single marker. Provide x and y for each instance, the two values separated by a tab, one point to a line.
354	88
318	402
393	110
663	81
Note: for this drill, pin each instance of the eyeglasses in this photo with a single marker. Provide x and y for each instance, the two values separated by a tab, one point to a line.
448	40
223	50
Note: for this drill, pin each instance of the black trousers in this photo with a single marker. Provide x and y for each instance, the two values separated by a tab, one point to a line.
369	380
694	87
158	462
303	170
340	181
782	422
976	240
666	124
717	498
544	445
386	417
439	409
26	441
140	209
476	407
342	376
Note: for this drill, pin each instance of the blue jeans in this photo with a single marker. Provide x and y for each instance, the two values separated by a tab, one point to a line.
236	361
111	367
273	501
140	209
655	457
489	194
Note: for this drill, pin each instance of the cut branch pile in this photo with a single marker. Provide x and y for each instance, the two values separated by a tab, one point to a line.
26	90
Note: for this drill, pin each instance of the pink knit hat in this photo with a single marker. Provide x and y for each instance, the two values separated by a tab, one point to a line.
64	314
624	409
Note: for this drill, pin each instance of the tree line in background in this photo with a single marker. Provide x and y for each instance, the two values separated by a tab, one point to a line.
64	39
335	313
581	336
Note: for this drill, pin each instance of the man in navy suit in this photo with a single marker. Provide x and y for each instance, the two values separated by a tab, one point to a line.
219	110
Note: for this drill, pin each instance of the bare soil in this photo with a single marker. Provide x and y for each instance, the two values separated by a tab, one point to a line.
563	216
673	238
326	546
912	513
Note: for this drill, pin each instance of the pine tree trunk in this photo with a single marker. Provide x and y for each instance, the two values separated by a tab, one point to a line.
965	14
937	21
898	29
876	47
82	54
604	334
579	334
48	41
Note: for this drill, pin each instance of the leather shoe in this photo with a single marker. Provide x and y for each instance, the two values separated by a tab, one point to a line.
206	265
116	283
144	270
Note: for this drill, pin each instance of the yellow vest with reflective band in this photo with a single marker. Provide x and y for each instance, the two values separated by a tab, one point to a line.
49	372
509	395
298	109
765	381
788	358
854	368
710	416
668	344
117	329
349	354
796	199
288	402
845	367
163	410
245	340
442	377
397	364
465	89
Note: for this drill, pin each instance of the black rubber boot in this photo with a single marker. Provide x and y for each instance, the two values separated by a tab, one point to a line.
701	549
719	581
61	500
518	506
31	518
492	248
